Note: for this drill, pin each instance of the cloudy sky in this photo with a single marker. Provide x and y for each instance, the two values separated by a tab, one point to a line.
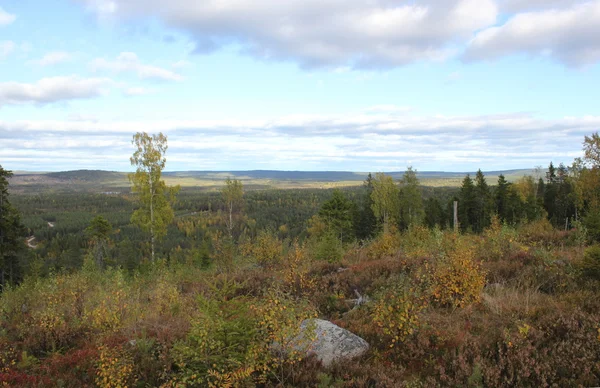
360	85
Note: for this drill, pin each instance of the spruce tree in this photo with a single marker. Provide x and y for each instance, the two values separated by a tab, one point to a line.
337	215
12	235
483	203
365	222
467	204
550	194
501	198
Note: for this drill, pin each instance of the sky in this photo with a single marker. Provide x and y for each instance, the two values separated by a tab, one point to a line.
347	85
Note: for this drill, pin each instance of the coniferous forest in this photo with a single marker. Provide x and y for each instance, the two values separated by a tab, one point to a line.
169	287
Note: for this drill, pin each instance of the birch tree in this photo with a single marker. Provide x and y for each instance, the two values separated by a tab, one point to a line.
232	194
155	198
385	199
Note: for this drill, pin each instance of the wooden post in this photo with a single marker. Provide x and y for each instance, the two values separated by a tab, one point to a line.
456	216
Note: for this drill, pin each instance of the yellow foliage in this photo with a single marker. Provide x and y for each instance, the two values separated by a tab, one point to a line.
296	271
279	324
115	369
458	278
266	250
384	246
397	314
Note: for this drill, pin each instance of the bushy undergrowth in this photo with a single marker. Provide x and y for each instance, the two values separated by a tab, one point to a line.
502	309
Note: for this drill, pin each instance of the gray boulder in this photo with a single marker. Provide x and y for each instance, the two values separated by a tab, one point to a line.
331	343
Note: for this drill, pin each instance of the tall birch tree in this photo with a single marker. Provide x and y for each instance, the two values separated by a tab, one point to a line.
155	198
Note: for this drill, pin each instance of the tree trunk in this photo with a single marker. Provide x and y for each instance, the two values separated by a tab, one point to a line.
230	219
152	218
385	222
456	216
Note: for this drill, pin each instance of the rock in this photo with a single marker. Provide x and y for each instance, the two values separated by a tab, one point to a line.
332	343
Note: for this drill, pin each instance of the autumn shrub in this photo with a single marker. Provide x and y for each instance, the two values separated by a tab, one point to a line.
115	368
296	271
385	245
225	251
510	267
75	368
591	262
420	241
498	241
396	312
220	347
541	233
279	318
458	278
267	250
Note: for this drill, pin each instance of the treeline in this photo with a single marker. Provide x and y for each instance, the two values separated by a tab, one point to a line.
205	226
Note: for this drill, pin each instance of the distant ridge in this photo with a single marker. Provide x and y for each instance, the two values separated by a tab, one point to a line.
101	181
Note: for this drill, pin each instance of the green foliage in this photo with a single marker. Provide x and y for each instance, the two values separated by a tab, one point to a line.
99	233
385	197
11	235
591	262
467	212
221	343
232	194
337	214
329	248
410	203
267	250
365	222
155	212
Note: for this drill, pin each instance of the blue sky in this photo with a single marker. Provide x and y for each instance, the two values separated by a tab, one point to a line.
360	85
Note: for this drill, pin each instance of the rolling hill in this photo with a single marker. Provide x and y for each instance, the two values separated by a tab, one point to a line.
113	181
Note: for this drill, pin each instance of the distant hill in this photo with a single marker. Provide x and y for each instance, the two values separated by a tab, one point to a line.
114	181
331	176
88	175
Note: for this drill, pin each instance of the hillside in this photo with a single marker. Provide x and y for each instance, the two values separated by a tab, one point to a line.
99	180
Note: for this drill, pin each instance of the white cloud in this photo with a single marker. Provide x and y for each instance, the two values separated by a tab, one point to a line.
6	47
358	33
52	89
52	58
182	64
568	34
359	141
6	18
136	91
514	6
129	62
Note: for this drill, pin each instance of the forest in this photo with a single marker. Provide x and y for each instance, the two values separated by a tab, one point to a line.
165	286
